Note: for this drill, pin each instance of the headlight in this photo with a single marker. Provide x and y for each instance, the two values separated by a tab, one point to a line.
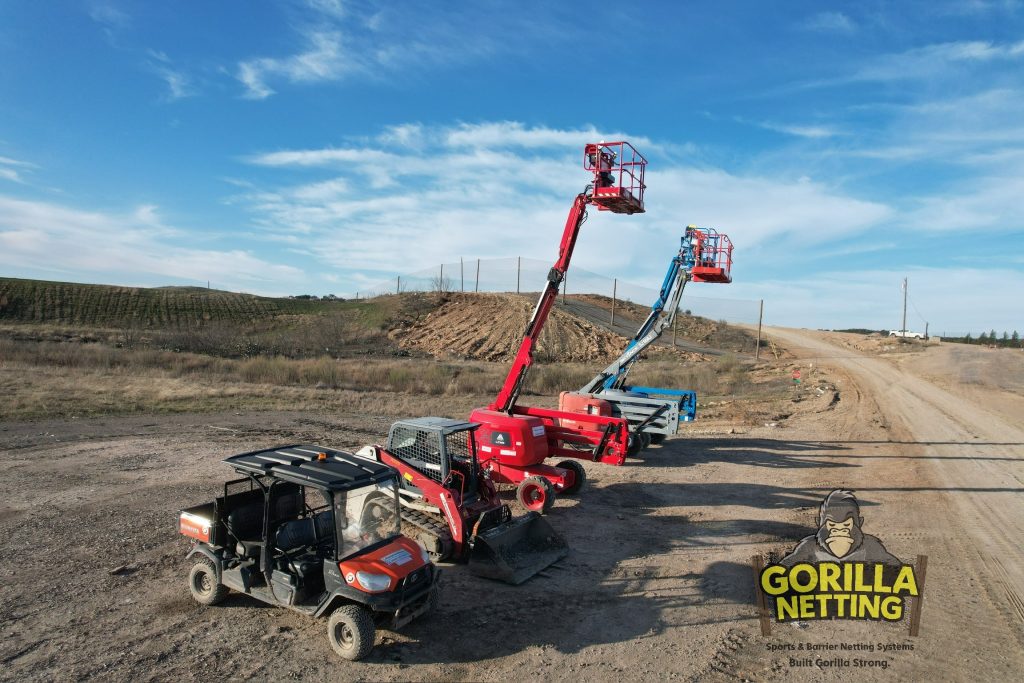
374	583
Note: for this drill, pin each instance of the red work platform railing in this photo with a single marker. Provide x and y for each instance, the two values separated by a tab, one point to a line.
618	176
713	256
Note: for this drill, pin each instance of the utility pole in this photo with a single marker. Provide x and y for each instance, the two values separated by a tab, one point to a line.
565	286
615	290
462	276
675	328
398	285
477	288
903	330
760	317
519	265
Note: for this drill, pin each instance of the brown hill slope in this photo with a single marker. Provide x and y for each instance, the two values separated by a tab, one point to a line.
490	327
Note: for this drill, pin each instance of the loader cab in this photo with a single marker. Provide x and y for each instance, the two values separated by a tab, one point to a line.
444	450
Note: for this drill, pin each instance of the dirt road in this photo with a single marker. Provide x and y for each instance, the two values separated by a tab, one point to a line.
658	585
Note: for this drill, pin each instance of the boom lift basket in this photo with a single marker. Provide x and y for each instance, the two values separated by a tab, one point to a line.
618	176
713	256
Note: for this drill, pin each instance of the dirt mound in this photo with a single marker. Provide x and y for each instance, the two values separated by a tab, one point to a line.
490	326
704	331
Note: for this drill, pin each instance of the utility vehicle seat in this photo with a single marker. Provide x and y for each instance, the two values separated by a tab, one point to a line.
300	540
245	524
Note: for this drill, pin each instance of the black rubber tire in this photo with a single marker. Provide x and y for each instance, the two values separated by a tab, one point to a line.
636	444
645	439
580	474
658	438
536	486
203	583
351	632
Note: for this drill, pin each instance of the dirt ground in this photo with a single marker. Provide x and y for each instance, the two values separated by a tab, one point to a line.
490	326
658	584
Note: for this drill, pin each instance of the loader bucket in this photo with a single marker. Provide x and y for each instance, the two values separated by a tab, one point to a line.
516	550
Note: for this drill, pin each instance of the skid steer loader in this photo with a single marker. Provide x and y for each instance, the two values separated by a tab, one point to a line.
450	505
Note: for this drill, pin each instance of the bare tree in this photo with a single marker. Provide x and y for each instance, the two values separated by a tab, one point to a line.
439	284
128	333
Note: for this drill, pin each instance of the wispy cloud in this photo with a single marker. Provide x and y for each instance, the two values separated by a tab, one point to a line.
386	206
111	19
952	300
932	60
11	169
338	42
109	15
324	59
811	131
830	22
179	84
130	247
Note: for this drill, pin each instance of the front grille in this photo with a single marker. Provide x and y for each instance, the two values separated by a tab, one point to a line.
417	578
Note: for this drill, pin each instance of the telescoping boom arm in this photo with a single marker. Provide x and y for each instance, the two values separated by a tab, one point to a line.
618	187
506	399
661	317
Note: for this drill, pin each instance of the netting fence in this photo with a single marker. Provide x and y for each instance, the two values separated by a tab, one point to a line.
527	275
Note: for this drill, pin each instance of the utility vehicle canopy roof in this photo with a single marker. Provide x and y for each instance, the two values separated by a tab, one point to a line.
440	424
304	465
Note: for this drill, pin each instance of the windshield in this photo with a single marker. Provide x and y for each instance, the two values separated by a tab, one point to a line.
366	516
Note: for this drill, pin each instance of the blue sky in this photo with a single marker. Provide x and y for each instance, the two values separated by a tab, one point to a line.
323	146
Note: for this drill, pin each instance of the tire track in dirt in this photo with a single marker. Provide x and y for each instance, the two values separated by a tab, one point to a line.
977	502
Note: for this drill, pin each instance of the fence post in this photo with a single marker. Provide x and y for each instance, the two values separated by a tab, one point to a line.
477	287
615	290
760	317
462	276
519	265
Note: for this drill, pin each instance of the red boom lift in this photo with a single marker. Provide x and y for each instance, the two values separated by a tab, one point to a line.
515	440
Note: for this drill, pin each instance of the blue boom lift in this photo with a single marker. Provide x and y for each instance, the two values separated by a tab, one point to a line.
653	412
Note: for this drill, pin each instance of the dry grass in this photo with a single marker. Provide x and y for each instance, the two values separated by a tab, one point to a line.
51	379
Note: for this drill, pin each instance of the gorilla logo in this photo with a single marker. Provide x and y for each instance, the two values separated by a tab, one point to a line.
839	536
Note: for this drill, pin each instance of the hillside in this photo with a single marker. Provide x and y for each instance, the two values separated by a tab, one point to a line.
227	324
107	306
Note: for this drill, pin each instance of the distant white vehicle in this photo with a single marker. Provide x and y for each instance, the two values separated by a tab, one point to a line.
906	334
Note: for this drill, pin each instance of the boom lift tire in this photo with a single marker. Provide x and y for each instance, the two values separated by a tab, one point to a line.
536	494
351	632
203	583
579	476
658	438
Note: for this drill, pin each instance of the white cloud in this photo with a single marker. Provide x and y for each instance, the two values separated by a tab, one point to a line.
814	132
935	60
7	161
500	189
135	247
323	60
952	300
982	205
11	169
108	15
339	42
830	22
